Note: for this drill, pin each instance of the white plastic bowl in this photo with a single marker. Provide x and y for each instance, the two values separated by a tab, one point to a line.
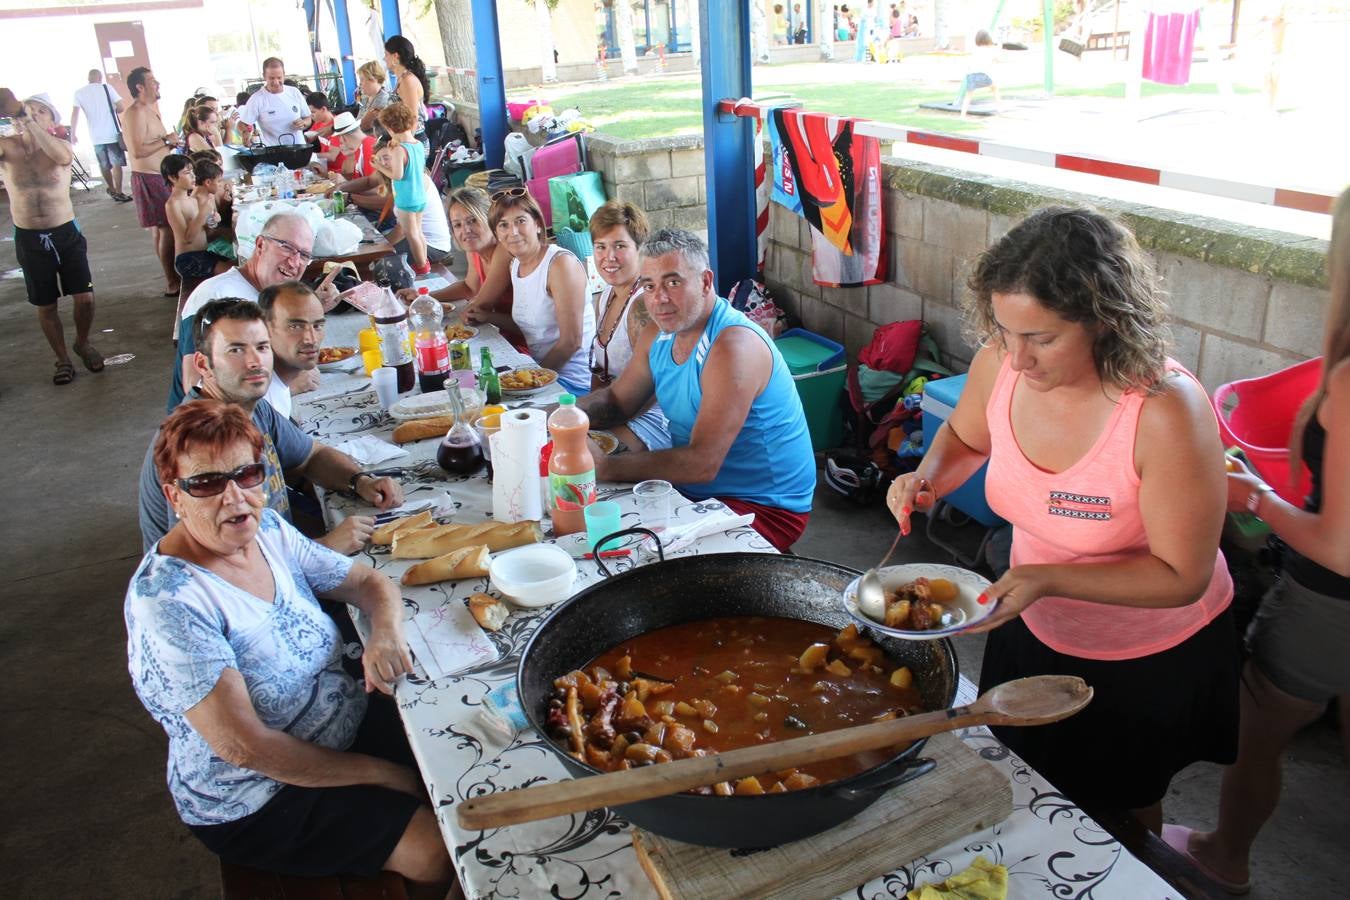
534	575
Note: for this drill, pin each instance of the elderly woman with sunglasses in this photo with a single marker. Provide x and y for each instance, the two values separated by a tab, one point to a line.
617	233
277	760
548	286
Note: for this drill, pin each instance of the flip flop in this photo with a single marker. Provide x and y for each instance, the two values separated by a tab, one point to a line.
65	373
123	198
1178	837
92	359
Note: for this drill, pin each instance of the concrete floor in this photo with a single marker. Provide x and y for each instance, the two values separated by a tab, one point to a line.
85	804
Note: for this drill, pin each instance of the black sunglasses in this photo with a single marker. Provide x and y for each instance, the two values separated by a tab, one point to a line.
507	192
209	484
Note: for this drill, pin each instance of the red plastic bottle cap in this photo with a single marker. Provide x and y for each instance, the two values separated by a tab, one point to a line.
422	290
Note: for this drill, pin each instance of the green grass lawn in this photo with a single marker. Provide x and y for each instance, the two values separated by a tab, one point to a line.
670	106
659	107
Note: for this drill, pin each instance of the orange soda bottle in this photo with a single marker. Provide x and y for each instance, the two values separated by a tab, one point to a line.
571	468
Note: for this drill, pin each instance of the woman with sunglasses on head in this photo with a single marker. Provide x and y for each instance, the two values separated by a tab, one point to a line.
1298	638
617	233
548	286
230	652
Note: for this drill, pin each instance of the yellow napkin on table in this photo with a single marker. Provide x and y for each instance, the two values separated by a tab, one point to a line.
982	881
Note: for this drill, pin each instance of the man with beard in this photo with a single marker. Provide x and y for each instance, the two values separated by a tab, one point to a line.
295	321
281	252
48	243
148	142
234	364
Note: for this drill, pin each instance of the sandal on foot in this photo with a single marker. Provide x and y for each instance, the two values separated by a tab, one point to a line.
92	359
1178	837
65	373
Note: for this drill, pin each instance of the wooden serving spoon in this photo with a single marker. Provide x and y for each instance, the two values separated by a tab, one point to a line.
1038	700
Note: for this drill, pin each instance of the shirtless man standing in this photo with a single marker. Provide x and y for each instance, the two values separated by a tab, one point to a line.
47	241
148	142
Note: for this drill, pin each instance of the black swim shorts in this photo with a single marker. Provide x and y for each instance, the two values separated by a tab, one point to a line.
55	262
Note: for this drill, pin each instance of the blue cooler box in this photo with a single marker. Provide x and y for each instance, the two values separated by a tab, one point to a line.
939	402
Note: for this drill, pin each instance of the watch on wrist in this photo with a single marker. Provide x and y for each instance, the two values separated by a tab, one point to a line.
352	483
1254	498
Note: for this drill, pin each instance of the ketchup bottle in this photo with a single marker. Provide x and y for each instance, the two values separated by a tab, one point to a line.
571	468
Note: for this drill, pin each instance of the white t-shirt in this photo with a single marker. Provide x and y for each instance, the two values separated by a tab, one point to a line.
279	396
94	100
274	113
435	227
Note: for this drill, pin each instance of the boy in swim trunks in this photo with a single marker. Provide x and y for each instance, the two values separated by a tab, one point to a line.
188	212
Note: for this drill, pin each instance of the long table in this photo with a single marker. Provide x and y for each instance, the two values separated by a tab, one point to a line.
1050	846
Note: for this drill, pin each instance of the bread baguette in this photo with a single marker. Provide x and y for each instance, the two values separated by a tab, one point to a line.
489	612
385	534
421	429
428	542
466	562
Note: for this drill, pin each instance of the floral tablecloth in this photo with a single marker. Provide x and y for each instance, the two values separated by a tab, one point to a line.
1051	847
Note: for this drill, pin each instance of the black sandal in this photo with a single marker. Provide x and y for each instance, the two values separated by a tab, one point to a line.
65	373
92	359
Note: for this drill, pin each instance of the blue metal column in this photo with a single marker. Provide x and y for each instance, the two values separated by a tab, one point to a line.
344	33
491	85
728	149
390	23
312	33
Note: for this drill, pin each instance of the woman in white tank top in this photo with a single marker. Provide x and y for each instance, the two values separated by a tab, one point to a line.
617	231
549	290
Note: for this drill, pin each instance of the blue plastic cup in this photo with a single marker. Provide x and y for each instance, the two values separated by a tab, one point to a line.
602	518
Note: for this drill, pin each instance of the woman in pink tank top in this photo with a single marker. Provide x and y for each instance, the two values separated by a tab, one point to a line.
1104	455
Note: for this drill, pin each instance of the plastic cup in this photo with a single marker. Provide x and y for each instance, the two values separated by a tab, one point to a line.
372	360
653	503
602	518
487	426
385	380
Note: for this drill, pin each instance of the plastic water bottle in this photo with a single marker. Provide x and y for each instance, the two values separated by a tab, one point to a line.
433	352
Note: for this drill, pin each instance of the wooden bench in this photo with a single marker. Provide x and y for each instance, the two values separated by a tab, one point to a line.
242	883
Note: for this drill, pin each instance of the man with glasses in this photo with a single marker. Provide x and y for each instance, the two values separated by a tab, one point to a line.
234	364
748	446
281	252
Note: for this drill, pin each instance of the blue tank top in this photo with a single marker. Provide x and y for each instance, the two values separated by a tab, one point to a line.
771	461
410	193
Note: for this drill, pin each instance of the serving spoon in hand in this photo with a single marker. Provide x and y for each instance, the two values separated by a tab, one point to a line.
1038	700
871	592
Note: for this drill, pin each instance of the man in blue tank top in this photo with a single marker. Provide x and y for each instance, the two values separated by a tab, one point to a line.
747	445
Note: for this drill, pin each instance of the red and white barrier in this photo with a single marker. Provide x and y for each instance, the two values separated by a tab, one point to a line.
1270	195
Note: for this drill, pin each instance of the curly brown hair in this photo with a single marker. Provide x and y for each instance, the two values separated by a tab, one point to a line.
1087	268
397	118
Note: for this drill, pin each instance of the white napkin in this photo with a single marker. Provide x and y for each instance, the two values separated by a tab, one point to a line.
446	639
369	450
683	536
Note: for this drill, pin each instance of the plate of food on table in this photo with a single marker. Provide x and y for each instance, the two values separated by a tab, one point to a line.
460	332
605	440
527	380
336	359
923	601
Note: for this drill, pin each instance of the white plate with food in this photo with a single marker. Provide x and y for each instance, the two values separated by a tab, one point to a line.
338	359
527	380
605	440
460	332
924	601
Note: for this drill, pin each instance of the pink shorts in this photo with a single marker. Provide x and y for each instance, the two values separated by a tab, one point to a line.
151	192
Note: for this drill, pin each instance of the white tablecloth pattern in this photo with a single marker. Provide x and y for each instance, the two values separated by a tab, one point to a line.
1050	846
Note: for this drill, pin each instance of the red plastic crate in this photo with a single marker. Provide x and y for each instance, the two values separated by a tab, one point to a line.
1257	415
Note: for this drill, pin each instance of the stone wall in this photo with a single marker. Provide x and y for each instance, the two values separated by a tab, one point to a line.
663	176
1245	301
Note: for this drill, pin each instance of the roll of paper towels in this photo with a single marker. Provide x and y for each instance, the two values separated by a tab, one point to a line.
516	494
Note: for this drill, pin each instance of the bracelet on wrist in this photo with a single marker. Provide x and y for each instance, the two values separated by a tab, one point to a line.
351	484
1254	498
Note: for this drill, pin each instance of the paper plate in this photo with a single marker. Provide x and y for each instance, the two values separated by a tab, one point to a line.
969	584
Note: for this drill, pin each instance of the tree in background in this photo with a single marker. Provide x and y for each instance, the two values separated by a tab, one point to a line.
543	14
454	19
623	24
